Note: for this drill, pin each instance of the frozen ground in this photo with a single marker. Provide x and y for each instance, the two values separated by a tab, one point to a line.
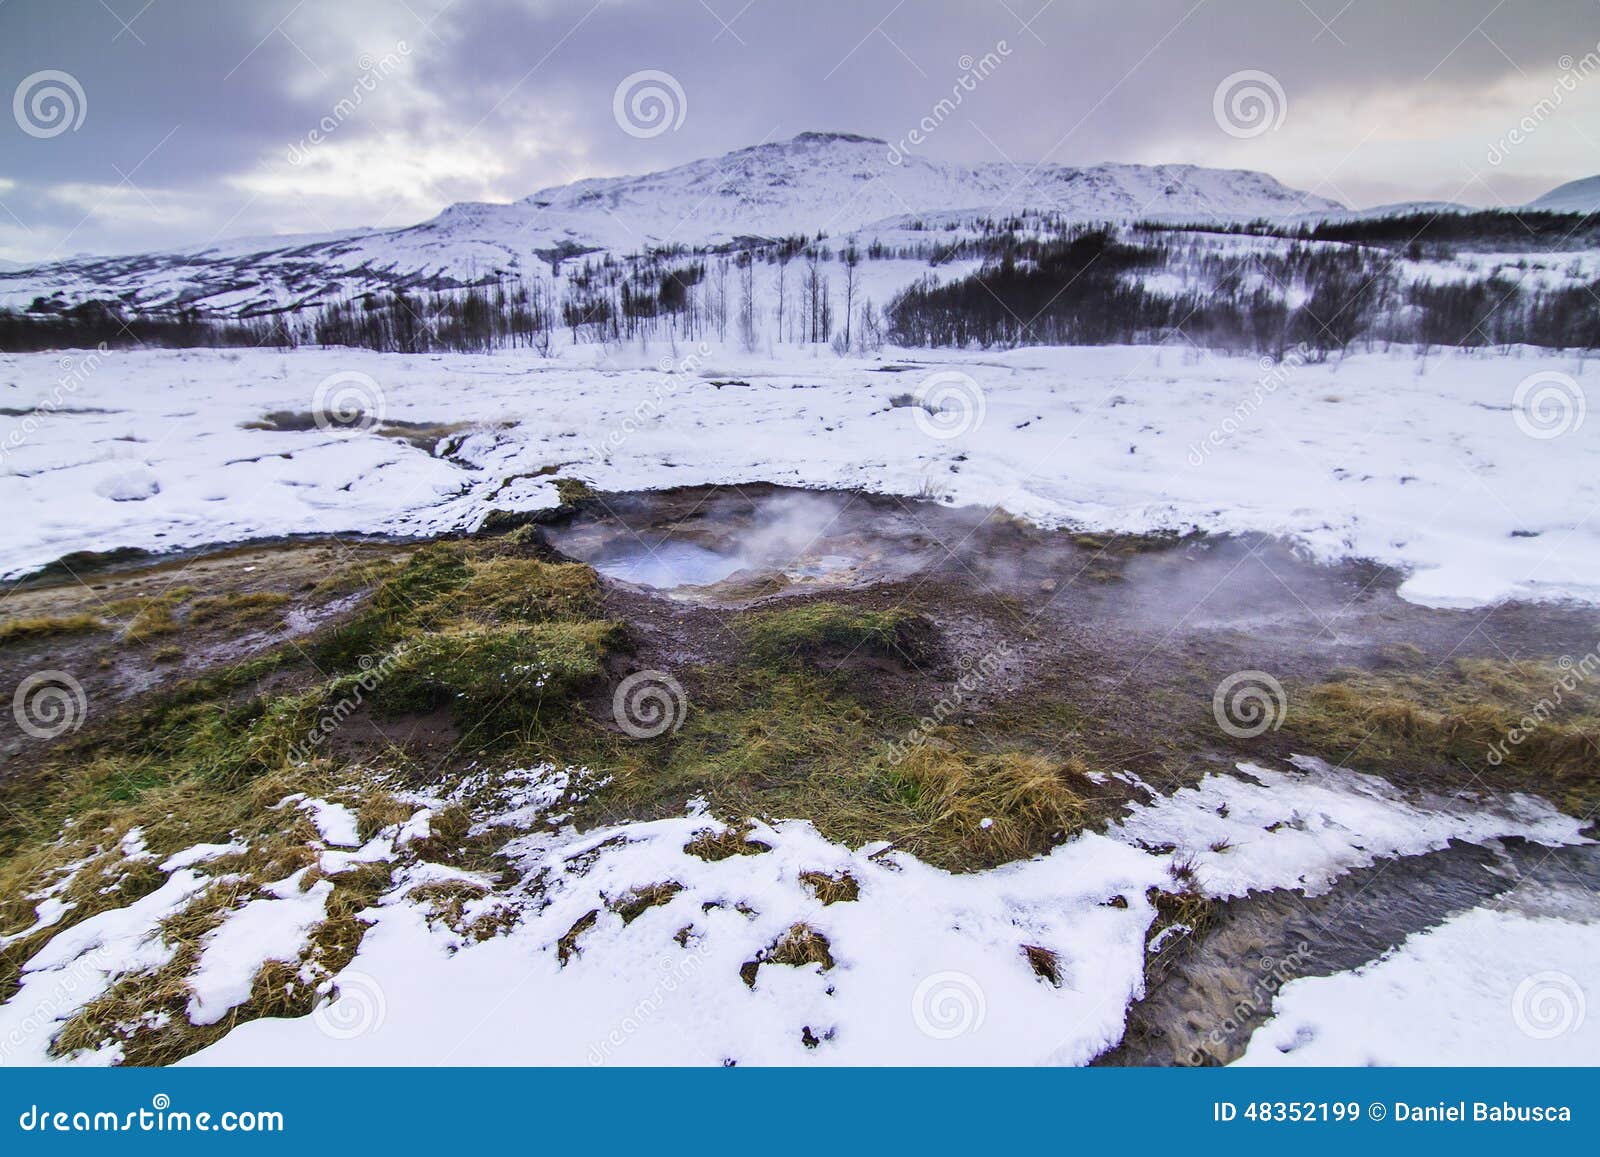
1421	463
1424	464
926	967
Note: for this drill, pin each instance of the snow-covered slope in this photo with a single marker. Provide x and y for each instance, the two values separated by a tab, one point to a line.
835	183
1574	197
839	183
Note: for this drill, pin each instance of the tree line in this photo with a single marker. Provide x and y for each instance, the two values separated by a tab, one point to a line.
1098	286
1041	280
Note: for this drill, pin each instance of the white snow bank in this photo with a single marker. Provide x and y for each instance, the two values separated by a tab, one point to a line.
929	967
1484	988
200	854
1422	465
1307	827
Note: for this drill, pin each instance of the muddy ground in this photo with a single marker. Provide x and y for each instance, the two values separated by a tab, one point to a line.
1112	645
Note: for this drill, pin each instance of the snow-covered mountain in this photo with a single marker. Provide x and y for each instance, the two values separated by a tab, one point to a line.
1581	196
839	183
836	183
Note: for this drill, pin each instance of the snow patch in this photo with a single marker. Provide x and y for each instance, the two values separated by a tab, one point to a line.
1484	988
276	928
1306	827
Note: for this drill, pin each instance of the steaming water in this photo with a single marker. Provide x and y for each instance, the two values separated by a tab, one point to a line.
670	565
828	564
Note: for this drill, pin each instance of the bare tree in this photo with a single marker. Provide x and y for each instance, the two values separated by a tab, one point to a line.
782	281
542	313
815	288
747	303
719	297
852	279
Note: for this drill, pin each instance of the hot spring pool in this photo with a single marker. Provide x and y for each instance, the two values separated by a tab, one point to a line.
670	565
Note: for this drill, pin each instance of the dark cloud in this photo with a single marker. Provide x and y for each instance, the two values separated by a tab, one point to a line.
194	106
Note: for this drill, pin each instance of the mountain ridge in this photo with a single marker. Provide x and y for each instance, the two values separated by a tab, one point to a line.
845	185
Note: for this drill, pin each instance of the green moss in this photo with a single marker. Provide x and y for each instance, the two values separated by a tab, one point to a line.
501	638
504	674
795	741
408	598
814	629
573	490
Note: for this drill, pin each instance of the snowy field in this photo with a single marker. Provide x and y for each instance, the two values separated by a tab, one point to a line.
925	966
1473	472
1439	465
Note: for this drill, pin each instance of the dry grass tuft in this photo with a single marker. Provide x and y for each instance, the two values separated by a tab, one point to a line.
143	618
567	946
1183	917
1031	803
1045	962
838	889
378	811
446	901
800	946
447	830
573	490
237	608
637	901
46	627
712	845
1464	715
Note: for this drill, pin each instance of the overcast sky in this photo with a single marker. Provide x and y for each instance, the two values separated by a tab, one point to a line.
196	117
